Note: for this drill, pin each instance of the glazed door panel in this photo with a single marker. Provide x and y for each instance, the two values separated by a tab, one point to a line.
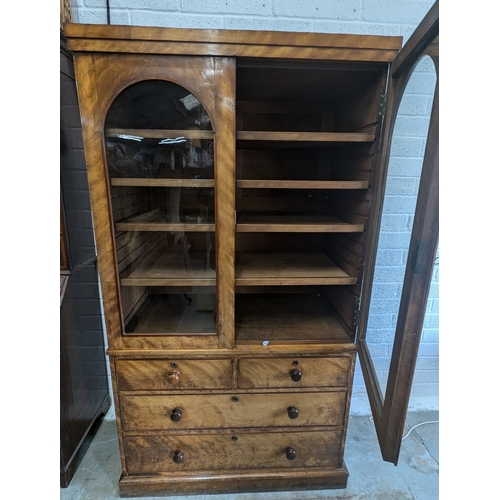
389	412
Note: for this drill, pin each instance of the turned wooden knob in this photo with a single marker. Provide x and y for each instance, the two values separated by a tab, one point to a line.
291	454
293	412
178	456
176	414
174	377
295	374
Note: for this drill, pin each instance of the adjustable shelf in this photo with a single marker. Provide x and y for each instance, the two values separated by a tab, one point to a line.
163	182
124	133
280	268
257	223
156	221
292	184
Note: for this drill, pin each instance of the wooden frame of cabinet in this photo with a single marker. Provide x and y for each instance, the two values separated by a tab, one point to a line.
297	122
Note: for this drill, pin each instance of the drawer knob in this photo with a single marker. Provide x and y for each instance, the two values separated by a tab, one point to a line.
176	414
291	454
174	377
296	375
178	456
293	412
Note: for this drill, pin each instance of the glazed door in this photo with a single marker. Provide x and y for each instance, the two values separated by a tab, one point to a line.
389	408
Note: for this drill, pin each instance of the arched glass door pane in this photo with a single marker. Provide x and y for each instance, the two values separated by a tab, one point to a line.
400	199
160	160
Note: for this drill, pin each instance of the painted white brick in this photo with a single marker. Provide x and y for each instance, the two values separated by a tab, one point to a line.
159	5
176	20
431	321
403	11
355	28
421	83
428	350
405	167
273	24
333	9
384	306
242	7
401	186
412	126
429	336
380	335
424	390
94	16
390	257
394	240
392	222
407	146
413	105
400	204
380	321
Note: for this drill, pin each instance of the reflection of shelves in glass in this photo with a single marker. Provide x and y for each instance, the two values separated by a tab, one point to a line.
159	133
277	268
171	269
256	223
283	318
155	221
283	184
173	314
153	182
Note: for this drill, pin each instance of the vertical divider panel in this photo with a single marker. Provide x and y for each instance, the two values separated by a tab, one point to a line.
225	188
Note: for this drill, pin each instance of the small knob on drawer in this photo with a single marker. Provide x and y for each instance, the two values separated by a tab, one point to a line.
178	456
293	411
291	454
176	414
174	377
296	375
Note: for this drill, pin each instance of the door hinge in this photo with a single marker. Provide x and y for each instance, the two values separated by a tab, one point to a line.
382	104
417	257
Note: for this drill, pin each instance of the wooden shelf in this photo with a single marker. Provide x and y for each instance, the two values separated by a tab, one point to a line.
304	136
286	318
170	269
154	221
172	315
276	268
148	182
253	223
160	133
283	184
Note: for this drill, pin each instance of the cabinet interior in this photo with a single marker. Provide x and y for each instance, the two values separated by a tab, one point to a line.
306	142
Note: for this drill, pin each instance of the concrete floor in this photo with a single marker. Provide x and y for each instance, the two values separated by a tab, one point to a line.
415	477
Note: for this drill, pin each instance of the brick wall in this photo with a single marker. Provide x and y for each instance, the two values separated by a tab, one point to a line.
377	17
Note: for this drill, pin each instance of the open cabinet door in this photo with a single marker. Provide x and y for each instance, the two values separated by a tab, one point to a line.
389	411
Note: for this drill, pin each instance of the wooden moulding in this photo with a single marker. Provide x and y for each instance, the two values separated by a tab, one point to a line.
242	43
250	481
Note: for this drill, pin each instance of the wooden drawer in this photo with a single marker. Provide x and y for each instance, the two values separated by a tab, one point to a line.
155	454
277	372
178	374
214	411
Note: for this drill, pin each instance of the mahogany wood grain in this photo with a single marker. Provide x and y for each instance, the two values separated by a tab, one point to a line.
136	375
231	410
252	223
160	134
274	372
309	184
249	480
135	181
221	452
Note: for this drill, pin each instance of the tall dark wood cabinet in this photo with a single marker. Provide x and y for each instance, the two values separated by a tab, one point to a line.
236	181
84	389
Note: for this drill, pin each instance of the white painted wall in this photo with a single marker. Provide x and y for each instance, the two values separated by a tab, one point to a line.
377	17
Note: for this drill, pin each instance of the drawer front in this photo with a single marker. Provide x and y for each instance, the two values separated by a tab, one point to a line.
179	374
216	411
155	454
293	372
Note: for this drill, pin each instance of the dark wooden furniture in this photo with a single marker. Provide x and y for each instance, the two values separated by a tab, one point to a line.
236	180
84	386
